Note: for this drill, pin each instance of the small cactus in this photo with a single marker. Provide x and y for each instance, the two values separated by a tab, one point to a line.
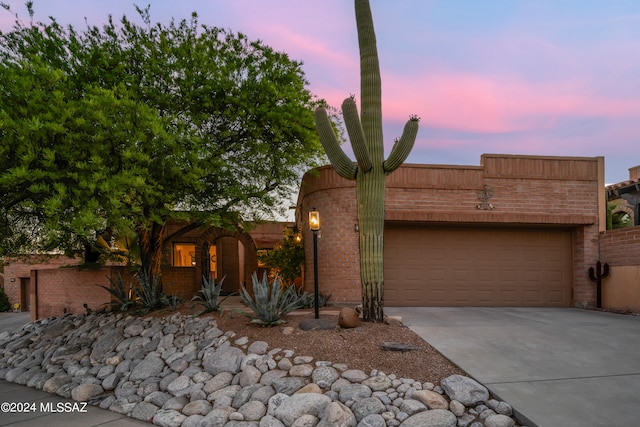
370	169
596	275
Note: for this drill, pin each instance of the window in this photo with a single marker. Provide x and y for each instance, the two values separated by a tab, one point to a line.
184	254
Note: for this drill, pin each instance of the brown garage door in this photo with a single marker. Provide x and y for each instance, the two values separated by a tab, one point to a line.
477	267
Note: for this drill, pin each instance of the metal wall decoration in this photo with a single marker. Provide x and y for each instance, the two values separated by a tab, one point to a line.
484	195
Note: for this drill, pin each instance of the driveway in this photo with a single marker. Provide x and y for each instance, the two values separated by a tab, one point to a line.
555	366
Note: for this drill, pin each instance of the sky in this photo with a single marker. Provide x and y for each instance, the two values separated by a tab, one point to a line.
529	77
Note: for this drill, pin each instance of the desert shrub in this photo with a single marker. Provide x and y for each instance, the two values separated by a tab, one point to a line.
271	301
4	301
208	296
307	299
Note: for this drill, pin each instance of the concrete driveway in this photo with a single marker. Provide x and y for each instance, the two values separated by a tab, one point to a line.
556	367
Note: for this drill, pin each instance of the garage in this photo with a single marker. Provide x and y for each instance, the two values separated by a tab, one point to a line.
473	266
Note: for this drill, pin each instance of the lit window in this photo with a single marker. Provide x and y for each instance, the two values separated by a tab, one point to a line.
184	254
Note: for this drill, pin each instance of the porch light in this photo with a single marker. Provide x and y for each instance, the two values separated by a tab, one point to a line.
314	225
314	220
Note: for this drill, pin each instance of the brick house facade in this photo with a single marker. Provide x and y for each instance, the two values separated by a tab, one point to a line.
537	206
54	285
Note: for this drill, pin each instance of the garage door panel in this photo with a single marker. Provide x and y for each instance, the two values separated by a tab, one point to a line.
477	267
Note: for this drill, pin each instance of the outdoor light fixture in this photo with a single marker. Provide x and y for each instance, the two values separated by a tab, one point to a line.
314	220
314	225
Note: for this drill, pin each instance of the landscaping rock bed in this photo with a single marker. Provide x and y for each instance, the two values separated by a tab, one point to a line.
183	371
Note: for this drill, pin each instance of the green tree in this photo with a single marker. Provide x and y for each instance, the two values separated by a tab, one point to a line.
122	128
370	170
287	257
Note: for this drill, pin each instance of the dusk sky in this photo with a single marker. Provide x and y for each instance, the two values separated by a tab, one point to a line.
540	77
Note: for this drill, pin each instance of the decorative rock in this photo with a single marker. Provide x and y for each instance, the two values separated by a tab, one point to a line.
378	383
258	347
218	382
372	420
301	404
301	370
181	386
499	421
305	420
369	405
197	407
325	376
150	366
251	375
317	324
269	421
433	418
288	385
431	399
85	392
144	411
253	410
465	390
337	414
411	407
217	417
398	346
223	360
354	375
168	418
457	408
354	392
310	388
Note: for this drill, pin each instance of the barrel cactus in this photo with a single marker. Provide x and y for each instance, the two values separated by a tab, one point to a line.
370	168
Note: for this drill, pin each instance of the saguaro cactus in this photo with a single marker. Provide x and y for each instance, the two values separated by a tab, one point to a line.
370	169
600	272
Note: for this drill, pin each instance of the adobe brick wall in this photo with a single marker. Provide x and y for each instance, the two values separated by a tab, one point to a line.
65	290
20	268
620	246
527	191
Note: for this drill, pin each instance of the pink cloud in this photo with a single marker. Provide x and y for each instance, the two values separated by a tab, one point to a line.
480	104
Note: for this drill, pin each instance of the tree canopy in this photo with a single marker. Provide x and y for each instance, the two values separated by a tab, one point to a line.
124	127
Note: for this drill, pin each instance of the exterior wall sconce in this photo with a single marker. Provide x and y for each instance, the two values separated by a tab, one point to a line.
314	220
356	227
314	225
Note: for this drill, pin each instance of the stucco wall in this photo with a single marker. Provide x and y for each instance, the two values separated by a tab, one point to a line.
526	191
620	249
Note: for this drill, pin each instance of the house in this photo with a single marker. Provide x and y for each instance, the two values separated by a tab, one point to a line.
54	285
620	248
514	231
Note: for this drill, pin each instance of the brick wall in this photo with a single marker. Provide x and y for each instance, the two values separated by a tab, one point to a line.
620	249
526	191
66	290
621	246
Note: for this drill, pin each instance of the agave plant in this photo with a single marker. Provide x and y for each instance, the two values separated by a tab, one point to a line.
149	293
271	302
208	296
122	293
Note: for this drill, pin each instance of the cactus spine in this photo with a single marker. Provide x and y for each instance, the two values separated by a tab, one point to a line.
370	170
600	272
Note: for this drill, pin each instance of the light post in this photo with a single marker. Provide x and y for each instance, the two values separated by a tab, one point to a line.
314	225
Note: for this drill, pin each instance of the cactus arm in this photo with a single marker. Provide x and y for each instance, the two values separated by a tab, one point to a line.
356	134
340	161
402	147
370	82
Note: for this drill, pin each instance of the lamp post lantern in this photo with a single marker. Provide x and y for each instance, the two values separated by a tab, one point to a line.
314	225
